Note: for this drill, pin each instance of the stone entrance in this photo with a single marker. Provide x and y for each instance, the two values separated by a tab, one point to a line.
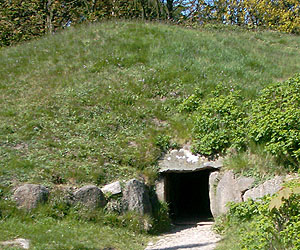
188	195
184	184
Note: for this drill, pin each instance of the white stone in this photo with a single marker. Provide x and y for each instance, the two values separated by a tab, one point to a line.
112	188
23	243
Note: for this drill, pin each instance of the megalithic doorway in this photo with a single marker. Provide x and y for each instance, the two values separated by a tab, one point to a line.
188	195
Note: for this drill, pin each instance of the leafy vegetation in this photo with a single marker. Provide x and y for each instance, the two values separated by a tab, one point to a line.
224	120
220	122
272	223
275	120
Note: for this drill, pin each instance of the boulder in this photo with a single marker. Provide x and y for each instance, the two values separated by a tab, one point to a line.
90	196
28	196
112	188
269	187
136	197
224	188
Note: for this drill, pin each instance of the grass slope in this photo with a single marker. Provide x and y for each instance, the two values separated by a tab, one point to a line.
50	234
100	102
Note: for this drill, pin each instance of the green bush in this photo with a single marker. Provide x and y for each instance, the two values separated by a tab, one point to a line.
219	121
225	120
275	120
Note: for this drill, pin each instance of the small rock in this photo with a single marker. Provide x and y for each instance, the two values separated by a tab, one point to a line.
29	196
112	188
90	196
22	243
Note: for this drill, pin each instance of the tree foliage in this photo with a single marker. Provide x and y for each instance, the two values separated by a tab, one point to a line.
22	19
282	15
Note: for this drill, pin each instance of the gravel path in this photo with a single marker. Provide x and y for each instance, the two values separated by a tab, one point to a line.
191	237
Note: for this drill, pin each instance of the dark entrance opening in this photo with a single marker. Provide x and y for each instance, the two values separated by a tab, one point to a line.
188	195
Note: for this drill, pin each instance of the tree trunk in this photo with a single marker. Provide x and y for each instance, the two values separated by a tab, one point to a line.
158	9
49	25
170	9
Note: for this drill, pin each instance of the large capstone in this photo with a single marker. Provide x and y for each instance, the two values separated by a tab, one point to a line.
183	160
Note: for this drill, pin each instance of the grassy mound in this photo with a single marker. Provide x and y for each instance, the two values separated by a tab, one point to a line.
99	102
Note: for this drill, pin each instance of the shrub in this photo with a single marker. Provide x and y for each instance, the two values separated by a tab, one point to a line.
275	120
225	120
219	122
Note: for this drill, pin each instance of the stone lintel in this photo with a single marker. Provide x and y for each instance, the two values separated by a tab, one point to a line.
183	161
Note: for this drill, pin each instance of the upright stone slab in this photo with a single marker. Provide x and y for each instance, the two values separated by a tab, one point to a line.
90	196
213	184
136	197
160	187
227	191
224	188
29	196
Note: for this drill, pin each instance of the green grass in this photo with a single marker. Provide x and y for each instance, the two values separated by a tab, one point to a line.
89	105
230	240
255	163
50	234
58	225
